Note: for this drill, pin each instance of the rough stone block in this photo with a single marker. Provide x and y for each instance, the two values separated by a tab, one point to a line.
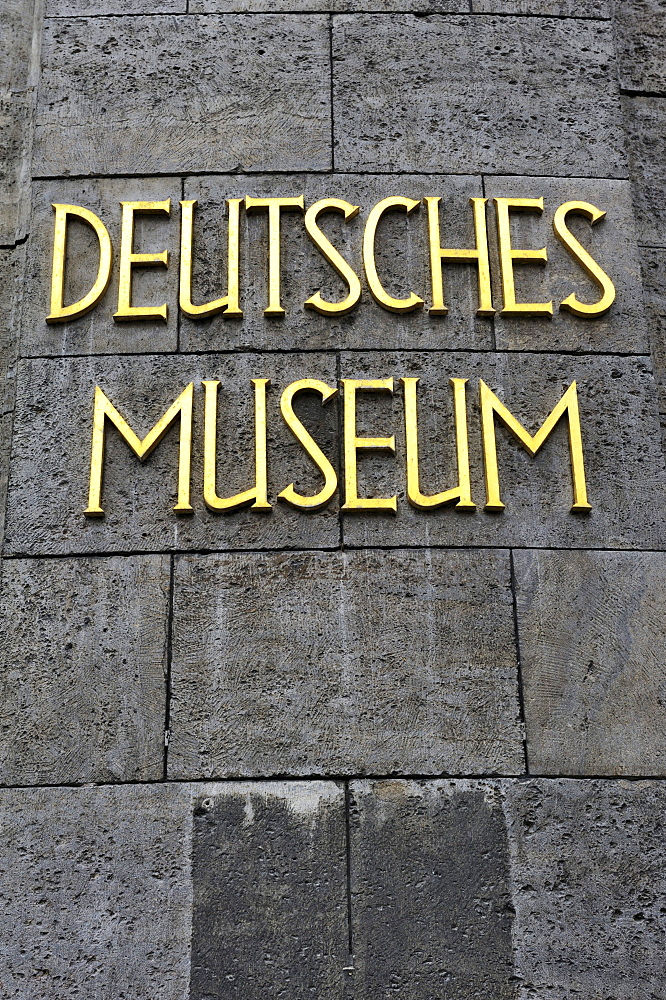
477	93
431	890
95	892
653	262
51	455
402	261
588	870
96	332
556	8
182	93
334	6
84	665
593	660
645	120
372	663
100	8
16	110
270	902
612	243
623	460
640	30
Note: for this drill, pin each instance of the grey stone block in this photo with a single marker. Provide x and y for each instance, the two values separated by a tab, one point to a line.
645	119
588	874
640	30
100	8
334	6
556	8
431	890
477	93
612	243
95	892
84	665
372	663
654	284
96	332
51	455
594	667
270	903
623	460
402	261
11	272
179	93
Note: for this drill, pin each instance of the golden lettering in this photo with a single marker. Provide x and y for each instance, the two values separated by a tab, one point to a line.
491	405
275	207
311	447
582	257
378	291
335	259
129	260
352	444
480	256
229	305
508	255
60	313
104	409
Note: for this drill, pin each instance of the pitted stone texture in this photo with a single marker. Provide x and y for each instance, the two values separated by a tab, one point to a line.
333	6
95	892
556	8
270	904
16	113
372	662
51	455
623	460
431	890
179	93
97	8
640	30
11	270
477	93
402	257
96	332
593	661
84	665
611	242
589	879
645	119
654	284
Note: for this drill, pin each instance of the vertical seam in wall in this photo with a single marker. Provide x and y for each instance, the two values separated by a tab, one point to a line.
340	465
493	337
330	60
521	699
350	930
167	679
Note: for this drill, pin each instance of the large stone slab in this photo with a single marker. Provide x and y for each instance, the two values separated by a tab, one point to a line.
182	93
402	262
623	459
270	902
51	455
11	271
334	6
588	866
645	121
100	8
611	242
653	261
431	890
475	93
364	662
593	661
640	31
557	8
83	684
96	332
96	894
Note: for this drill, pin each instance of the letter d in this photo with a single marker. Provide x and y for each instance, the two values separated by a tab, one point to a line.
60	312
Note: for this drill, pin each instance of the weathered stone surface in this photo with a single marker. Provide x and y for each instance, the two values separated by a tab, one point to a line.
640	31
359	662
270	904
589	881
645	119
11	270
51	455
612	243
557	8
95	892
653	263
431	890
179	93
97	8
96	332
334	6
623	460
402	261
593	660
470	93
83	684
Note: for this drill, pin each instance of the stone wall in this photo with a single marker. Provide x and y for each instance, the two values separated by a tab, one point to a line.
332	755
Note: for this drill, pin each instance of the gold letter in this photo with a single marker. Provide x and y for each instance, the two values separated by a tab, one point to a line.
59	312
508	255
491	405
587	262
229	304
141	447
257	493
128	259
274	206
378	292
311	447
462	492
353	443
335	259
480	255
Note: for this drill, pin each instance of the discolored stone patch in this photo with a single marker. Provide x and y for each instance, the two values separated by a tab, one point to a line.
640	33
645	124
